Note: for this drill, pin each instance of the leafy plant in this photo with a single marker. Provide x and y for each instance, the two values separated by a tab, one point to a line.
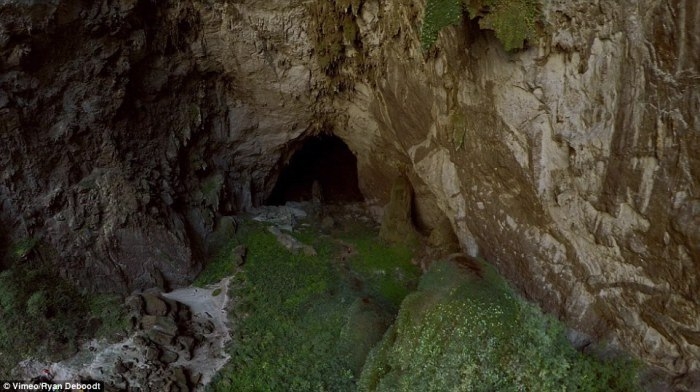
438	15
513	21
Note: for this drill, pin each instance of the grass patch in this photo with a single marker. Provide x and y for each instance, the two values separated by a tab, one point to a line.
223	264
295	307
386	269
460	332
301	324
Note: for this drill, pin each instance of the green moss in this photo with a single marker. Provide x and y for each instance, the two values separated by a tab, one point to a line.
462	332
307	326
335	34
220	266
111	315
43	315
295	308
386	269
22	248
513	21
438	15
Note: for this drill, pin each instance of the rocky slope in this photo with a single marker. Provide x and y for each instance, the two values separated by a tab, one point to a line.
129	128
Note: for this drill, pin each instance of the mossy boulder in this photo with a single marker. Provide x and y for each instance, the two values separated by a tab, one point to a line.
444	238
465	330
366	323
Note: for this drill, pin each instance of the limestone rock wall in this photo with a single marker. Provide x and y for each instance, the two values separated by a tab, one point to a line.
572	165
129	127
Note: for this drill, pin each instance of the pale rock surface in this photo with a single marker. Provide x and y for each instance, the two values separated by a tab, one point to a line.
127	128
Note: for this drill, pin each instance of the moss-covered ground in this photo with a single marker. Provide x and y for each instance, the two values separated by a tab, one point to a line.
306	323
462	332
357	316
45	316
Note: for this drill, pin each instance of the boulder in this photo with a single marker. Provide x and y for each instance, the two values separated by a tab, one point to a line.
397	221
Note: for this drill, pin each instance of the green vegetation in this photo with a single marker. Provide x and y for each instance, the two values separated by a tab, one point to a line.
21	249
462	332
386	269
222	265
513	21
109	313
43	315
306	324
324	323
335	35
438	15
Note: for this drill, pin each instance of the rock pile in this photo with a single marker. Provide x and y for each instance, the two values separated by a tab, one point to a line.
167	338
177	344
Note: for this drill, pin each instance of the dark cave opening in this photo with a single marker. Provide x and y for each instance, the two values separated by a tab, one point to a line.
325	159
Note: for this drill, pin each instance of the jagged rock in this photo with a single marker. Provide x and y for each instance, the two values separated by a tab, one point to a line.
572	165
224	232
186	344
177	381
195	378
159	329
151	353
135	304
154	305
443	237
239	254
168	356
284	217
397	222
291	243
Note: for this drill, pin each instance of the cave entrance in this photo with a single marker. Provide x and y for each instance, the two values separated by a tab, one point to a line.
325	159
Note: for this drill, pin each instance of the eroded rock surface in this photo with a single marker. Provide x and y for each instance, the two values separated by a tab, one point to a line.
178	345
129	127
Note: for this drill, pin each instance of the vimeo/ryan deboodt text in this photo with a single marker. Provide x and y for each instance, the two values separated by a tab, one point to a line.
92	386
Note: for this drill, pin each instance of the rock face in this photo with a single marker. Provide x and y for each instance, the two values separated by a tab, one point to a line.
128	127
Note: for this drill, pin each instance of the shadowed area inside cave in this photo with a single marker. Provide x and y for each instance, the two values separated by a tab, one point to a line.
325	159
